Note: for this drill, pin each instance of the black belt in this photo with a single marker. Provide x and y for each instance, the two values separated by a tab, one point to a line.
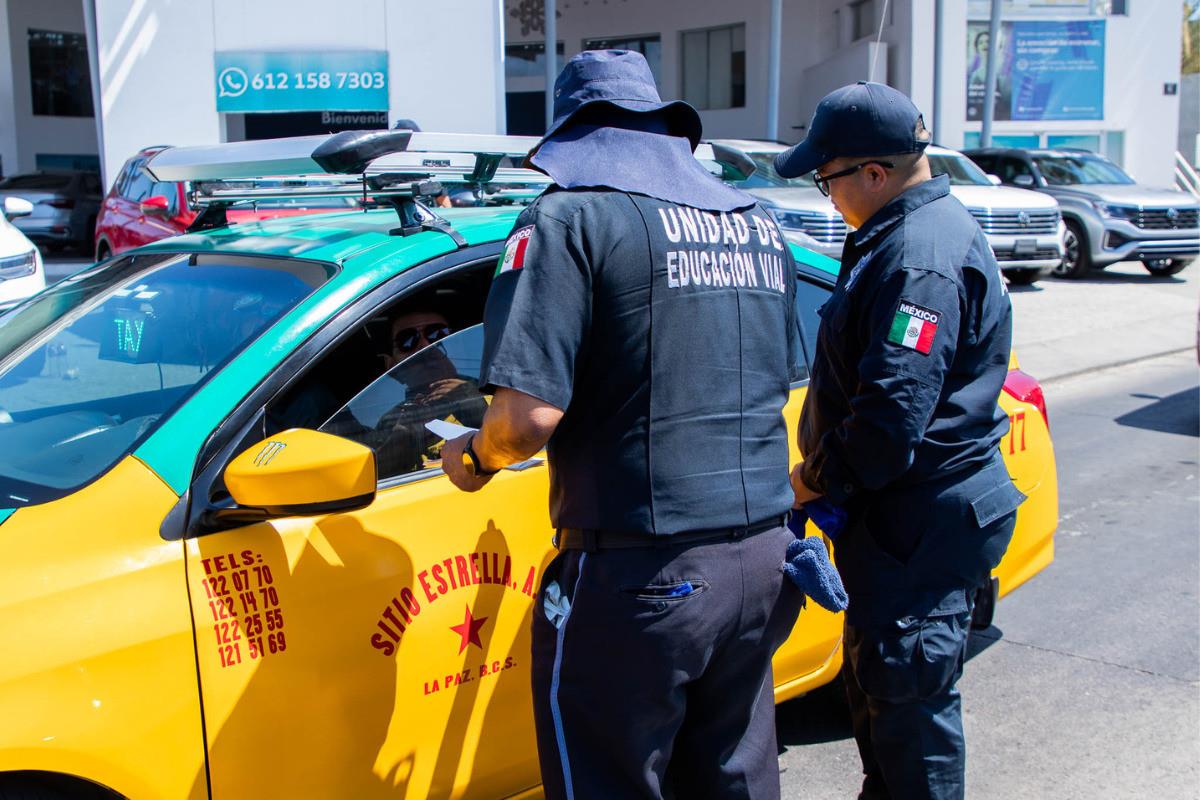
591	539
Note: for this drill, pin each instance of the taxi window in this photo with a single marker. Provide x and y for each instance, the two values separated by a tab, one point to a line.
439	382
92	364
810	296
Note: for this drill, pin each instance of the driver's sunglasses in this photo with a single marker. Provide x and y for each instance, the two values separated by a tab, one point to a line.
822	181
408	338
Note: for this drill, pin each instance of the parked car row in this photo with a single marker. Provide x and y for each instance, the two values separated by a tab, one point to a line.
65	205
1042	210
1109	217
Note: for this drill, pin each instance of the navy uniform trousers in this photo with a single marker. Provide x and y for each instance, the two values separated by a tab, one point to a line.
911	558
653	678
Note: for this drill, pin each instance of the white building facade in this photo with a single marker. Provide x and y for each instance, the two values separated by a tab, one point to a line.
90	82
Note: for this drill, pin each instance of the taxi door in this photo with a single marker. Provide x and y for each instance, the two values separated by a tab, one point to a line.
382	652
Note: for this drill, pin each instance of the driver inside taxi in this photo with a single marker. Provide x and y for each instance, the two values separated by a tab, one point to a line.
434	390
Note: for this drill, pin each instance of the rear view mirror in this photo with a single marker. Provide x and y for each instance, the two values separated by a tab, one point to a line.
302	472
1025	181
155	205
17	207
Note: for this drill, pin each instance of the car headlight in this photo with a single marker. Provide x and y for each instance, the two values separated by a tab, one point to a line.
1115	212
18	266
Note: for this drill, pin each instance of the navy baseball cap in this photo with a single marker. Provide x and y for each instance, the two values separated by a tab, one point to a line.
862	119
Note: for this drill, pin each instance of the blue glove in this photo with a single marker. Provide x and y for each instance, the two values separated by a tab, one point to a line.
825	515
809	567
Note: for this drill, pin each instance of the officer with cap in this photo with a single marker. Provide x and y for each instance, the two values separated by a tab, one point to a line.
901	428
642	322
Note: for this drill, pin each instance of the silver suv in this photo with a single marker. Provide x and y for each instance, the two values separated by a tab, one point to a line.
1109	217
1024	228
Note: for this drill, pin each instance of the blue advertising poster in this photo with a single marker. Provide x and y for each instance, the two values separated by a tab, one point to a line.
1058	70
1047	70
301	81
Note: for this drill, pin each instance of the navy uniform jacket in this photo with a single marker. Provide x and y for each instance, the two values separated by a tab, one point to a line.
668	335
911	356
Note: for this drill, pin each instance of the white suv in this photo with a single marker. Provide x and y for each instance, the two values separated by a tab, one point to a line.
1024	228
21	270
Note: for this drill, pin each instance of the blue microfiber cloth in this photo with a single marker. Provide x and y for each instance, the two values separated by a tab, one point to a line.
809	567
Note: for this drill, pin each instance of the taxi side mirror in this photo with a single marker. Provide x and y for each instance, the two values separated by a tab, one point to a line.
301	472
1024	181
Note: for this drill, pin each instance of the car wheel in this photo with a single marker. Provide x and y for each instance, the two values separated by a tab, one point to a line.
1162	267
1023	277
1077	260
103	251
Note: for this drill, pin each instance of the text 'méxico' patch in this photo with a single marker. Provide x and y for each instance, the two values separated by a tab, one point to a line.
914	327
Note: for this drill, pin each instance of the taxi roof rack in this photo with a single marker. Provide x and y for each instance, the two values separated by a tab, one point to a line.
394	166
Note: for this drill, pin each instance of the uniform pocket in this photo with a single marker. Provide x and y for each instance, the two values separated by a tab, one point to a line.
995	503
909	660
672	592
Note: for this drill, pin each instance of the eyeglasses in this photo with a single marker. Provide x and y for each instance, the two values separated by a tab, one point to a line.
822	181
408	338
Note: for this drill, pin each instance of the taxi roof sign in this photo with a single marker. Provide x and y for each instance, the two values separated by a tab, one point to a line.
360	152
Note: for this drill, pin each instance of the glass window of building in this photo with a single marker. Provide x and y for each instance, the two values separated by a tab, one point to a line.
714	67
529	60
648	46
60	79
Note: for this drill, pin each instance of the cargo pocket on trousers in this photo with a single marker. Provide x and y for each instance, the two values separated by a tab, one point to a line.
942	645
883	660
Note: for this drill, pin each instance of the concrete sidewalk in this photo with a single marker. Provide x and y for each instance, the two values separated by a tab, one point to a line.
1115	316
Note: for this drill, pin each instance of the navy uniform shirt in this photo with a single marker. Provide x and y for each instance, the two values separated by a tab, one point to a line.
668	336
912	352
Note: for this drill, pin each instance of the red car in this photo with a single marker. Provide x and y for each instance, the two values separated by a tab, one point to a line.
137	211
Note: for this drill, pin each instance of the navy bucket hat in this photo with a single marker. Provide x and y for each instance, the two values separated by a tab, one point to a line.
611	130
619	78
862	119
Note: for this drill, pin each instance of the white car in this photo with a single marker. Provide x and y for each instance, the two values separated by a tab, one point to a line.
1025	231
21	270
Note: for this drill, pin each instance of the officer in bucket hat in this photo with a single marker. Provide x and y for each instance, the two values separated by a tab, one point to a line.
901	427
642	322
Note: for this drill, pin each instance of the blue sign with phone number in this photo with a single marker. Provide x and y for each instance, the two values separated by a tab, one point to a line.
302	81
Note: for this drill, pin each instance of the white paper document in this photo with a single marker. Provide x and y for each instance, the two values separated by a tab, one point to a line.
450	430
447	430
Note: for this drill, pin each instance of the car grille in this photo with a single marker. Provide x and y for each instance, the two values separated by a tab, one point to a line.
1161	219
1017	223
825	228
1046	254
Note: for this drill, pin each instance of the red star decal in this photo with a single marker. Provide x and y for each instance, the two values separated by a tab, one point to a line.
469	630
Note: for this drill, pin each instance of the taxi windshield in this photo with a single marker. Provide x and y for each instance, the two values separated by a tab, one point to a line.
960	169
89	366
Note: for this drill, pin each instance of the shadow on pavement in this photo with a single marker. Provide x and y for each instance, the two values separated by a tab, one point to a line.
1014	288
819	716
983	639
1179	413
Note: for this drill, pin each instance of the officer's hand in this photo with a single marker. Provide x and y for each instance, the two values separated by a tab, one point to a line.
800	489
457	466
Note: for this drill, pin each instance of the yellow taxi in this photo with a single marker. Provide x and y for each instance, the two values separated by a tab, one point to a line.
230	564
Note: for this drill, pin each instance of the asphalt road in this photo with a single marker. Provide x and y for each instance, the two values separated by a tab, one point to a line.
1088	684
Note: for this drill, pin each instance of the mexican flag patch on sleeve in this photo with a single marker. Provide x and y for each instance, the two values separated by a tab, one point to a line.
913	327
514	250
